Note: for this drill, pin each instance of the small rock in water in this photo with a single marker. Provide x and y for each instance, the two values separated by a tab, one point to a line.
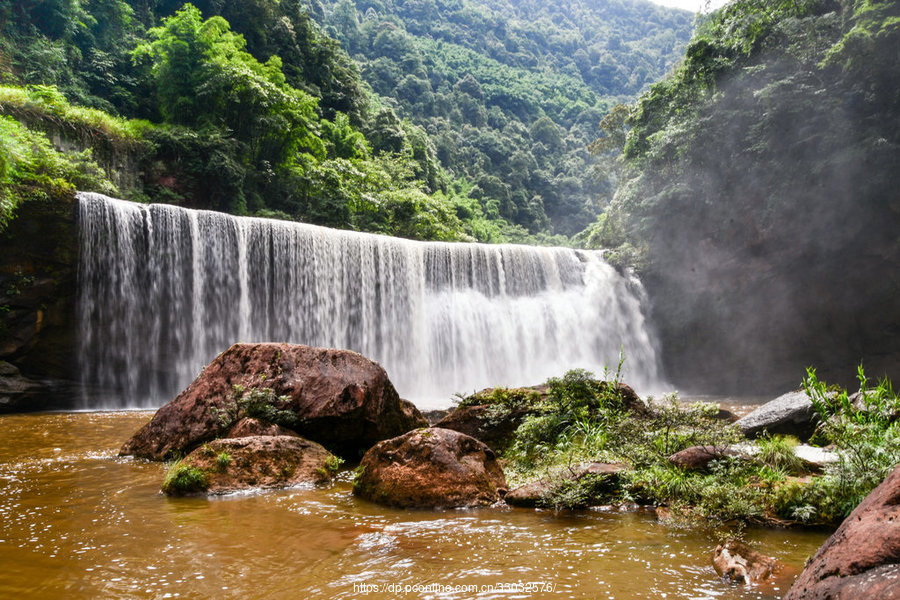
739	563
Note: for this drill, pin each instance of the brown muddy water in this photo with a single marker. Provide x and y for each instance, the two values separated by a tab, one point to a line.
78	522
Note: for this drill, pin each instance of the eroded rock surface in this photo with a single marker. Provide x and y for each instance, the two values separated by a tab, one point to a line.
339	398
249	426
431	468
862	558
262	461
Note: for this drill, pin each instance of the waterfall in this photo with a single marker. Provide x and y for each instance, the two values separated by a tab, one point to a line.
163	290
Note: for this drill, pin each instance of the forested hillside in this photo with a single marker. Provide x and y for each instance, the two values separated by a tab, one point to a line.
512	93
759	194
276	125
476	128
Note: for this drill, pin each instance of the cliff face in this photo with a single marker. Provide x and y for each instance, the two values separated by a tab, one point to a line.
762	182
752	320
38	277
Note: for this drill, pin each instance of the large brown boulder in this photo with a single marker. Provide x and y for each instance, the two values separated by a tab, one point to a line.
234	464
862	558
431	468
338	398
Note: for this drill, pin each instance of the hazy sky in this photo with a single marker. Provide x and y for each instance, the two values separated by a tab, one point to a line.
691	5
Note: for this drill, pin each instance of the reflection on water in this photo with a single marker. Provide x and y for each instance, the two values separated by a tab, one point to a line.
78	522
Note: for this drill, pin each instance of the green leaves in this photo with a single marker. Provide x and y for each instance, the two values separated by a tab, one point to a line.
32	170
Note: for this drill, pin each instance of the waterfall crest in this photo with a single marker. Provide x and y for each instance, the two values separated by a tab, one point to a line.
163	290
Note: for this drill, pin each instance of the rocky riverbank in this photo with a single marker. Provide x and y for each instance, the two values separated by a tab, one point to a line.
271	415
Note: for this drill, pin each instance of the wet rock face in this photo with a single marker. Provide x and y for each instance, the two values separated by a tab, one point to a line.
789	414
38	283
431	468
235	464
862	558
16	391
337	397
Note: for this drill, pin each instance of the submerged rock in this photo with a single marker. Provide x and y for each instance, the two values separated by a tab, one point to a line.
789	414
602	477
262	461
739	563
862	558
431	468
336	397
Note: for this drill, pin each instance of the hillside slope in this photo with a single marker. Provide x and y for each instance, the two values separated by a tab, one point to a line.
512	93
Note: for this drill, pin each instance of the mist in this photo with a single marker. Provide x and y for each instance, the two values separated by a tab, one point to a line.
771	215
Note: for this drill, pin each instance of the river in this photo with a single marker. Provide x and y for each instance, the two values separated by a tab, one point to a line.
76	522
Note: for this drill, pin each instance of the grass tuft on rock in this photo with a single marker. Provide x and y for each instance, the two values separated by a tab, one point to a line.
184	480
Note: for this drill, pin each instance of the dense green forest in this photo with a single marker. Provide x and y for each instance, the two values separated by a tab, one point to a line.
464	121
758	192
512	93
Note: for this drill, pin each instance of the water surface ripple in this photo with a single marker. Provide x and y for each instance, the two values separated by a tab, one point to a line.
78	522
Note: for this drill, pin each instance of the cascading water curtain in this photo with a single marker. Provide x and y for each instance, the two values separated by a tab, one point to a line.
164	289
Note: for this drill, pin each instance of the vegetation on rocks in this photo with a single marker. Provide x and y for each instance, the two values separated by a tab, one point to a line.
259	403
582	420
184	480
263	462
32	170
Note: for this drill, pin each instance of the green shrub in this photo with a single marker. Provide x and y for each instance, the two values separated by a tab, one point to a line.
865	434
778	452
182	479
223	459
31	170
